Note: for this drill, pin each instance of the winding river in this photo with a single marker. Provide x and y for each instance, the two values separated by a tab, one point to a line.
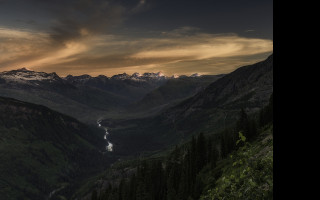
109	146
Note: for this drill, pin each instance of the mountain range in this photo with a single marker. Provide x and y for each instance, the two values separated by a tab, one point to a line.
89	98
50	143
209	111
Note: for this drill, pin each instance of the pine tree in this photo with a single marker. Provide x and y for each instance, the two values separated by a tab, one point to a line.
200	152
223	144
121	190
141	192
209	151
132	187
266	114
243	123
184	180
94	195
171	192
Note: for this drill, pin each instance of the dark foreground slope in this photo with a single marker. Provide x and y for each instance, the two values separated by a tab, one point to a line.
42	150
246	173
209	111
236	163
248	87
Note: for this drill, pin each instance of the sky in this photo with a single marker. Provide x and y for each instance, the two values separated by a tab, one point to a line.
115	36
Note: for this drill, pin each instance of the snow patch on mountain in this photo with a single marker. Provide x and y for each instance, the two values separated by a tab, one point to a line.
25	75
195	75
28	76
175	76
123	76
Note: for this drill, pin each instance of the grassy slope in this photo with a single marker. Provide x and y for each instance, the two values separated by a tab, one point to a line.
246	174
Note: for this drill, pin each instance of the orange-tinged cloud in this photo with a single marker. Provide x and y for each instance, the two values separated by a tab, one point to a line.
111	54
222	46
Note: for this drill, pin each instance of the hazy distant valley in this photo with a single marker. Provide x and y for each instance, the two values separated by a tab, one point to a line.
88	98
60	135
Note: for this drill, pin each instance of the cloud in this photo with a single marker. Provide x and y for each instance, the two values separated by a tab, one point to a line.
26	47
112	54
141	6
20	45
79	19
204	46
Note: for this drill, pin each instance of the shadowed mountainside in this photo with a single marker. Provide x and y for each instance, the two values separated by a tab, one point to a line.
42	150
210	110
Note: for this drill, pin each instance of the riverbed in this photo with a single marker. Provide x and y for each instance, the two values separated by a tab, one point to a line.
109	146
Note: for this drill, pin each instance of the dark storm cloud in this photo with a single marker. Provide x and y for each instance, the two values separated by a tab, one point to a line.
213	16
74	19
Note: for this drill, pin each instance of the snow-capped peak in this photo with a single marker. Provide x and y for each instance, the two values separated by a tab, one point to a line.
122	76
195	75
160	74
81	78
25	75
140	77
24	69
136	74
154	75
175	76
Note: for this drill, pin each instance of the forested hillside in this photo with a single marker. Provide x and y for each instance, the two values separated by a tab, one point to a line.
43	151
235	164
210	110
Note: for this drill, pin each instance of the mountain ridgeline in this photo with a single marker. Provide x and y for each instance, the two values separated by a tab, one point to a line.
89	98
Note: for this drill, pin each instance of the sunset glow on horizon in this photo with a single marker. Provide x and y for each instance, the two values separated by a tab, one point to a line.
106	37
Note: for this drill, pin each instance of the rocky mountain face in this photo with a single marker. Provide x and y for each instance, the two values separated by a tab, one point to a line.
26	76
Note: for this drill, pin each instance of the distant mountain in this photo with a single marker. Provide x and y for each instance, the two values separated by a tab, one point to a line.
209	111
173	91
59	95
85	97
141	77
248	87
130	88
42	150
26	76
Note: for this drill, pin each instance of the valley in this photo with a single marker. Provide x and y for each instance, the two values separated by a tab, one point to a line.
88	98
79	134
137	100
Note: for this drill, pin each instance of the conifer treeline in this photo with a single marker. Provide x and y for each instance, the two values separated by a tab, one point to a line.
178	176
